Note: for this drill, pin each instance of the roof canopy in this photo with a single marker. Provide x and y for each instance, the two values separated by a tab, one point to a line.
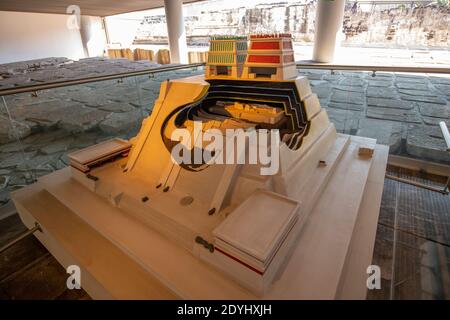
88	7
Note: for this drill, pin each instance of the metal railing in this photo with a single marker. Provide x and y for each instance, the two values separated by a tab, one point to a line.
65	83
445	189
373	68
21	236
299	65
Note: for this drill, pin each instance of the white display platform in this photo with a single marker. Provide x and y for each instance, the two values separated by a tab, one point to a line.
123	258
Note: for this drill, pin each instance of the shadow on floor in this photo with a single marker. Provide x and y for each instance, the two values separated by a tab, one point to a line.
28	270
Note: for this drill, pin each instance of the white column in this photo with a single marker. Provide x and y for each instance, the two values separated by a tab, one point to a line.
176	31
92	36
329	18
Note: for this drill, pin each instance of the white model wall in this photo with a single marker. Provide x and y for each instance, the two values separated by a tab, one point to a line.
26	36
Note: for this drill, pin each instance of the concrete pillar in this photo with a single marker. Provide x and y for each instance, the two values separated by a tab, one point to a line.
92	36
329	18
176	31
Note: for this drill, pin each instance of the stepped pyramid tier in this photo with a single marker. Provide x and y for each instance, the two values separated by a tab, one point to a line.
219	230
226	57
270	56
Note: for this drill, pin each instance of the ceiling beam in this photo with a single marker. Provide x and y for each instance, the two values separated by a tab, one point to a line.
100	8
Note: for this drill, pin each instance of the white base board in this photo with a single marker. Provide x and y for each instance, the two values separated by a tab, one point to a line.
89	231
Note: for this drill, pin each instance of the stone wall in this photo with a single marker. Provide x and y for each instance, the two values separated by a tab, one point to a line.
365	24
397	25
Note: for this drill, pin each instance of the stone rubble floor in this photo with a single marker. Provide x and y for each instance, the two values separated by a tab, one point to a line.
30	72
399	110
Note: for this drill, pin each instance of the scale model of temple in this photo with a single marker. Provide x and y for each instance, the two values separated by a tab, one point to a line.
226	57
271	56
141	225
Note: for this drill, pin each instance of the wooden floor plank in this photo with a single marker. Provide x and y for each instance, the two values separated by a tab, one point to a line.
10	227
105	262
21	254
42	280
415	262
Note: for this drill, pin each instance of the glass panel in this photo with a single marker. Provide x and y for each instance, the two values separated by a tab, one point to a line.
39	129
396	32
402	110
15	169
